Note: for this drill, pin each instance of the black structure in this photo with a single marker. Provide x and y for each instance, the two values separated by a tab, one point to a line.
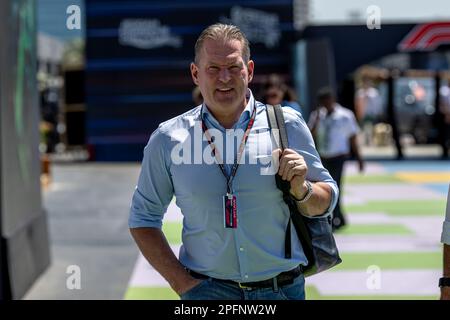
138	56
24	248
137	60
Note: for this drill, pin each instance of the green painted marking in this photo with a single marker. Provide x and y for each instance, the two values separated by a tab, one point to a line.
390	260
371	179
355	229
313	294
172	231
150	293
164	293
401	207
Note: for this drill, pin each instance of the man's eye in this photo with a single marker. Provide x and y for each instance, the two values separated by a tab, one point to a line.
213	68
235	68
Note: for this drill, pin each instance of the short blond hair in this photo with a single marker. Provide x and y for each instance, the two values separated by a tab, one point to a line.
224	32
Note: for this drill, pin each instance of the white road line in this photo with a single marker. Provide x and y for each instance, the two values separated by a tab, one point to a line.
173	213
351	168
369	218
392	282
387	192
144	275
385	243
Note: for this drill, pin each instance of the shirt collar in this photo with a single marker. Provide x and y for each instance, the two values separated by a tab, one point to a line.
246	114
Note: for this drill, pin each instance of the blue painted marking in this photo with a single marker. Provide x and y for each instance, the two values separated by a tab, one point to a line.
442	188
418	166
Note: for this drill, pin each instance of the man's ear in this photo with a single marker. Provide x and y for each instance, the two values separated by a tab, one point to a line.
251	68
194	73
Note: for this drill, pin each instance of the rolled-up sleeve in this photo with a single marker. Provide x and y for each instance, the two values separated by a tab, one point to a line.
445	237
301	140
154	189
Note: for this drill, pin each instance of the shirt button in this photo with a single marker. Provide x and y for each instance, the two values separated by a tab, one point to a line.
246	276
241	249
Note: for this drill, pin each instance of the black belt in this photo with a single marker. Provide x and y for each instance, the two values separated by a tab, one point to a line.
282	279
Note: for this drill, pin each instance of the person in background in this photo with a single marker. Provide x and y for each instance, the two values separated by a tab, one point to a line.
335	129
444	105
49	116
368	108
276	91
444	282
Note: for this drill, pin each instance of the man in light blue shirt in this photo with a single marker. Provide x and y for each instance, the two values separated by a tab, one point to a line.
217	161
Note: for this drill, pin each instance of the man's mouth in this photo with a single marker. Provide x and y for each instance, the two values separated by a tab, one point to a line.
224	89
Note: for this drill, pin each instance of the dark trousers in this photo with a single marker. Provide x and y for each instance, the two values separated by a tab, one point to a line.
335	166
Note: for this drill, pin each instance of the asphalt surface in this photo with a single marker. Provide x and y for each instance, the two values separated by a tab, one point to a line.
87	206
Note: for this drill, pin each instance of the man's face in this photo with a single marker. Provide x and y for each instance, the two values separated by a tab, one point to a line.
274	96
327	102
222	74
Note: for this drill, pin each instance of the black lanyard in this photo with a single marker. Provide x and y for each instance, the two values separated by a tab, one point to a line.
240	151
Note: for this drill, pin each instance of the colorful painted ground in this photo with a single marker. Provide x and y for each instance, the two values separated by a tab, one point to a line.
390	249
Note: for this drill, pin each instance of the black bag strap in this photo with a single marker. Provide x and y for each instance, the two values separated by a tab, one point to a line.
281	184
276	121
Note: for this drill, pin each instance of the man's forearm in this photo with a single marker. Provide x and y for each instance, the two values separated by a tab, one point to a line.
319	202
314	133
155	248
355	148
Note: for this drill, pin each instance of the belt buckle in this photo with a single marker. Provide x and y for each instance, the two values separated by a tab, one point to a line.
243	286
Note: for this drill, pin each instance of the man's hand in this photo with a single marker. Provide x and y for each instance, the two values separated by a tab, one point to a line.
155	248
293	168
185	287
355	149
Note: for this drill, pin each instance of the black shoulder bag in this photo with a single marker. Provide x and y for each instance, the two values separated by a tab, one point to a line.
315	234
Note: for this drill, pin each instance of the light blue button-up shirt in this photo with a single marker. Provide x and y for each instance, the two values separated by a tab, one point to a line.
178	161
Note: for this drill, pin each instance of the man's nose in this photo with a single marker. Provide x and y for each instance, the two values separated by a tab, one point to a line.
224	75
